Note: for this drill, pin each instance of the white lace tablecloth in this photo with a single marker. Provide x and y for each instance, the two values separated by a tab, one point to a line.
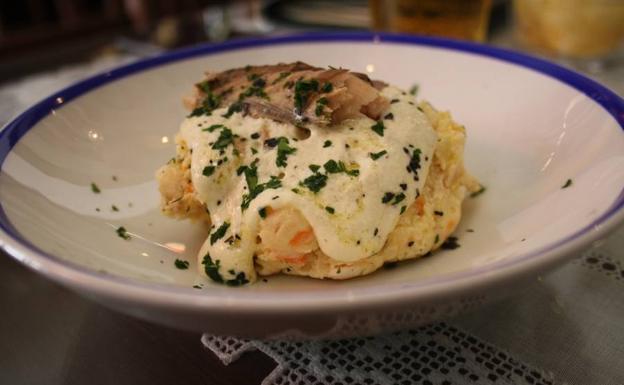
566	328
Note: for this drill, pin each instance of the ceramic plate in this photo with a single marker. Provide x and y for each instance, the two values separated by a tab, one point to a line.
532	126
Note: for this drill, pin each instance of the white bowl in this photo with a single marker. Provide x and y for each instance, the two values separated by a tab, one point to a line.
531	126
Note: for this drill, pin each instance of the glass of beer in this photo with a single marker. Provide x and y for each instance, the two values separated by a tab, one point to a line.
576	29
460	19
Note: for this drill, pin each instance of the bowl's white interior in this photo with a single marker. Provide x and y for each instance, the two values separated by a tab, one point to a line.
527	134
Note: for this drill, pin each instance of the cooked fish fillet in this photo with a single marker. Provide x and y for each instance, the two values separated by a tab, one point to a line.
294	93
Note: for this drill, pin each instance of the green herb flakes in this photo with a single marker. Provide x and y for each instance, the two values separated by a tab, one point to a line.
211	268
450	244
314	167
414	89
478	192
388	196
114	208
378	128
567	184
219	233
262	212
327	87
283	150
377	155
95	188
333	167
303	90
181	264
320	106
414	162
225	139
208	170
327	143
255	189
330	209
398	198
123	233
214	127
237	106
315	182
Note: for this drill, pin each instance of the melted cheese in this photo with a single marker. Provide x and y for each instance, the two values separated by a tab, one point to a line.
361	221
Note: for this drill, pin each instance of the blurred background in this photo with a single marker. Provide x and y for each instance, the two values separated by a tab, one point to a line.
45	35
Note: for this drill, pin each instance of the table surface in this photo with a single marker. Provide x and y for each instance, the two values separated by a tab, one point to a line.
51	335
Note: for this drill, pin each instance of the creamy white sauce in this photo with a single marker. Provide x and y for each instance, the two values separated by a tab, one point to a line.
361	222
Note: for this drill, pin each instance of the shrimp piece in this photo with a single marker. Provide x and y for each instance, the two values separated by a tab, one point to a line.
286	235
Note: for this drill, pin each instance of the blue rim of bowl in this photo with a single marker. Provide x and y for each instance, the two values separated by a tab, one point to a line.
14	130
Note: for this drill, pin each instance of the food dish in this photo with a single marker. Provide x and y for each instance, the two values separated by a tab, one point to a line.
532	126
315	172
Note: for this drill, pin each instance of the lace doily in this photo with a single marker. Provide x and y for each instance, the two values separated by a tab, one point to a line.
557	334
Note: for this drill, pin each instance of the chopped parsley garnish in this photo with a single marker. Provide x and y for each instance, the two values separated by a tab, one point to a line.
213	127
315	182
377	155
210	102
255	189
123	233
283	150
403	208
327	143
255	135
389	116
314	167
95	188
262	212
414	89
437	238
208	170
271	142
327	87
414	163
450	244
219	233
394	101
212	271
282	76
330	209
398	198
181	264
254	151
303	89
212	268
378	128
237	106
114	208
567	184
481	191
197	287
333	167
388	196
403	186
256	89
225	139
320	106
